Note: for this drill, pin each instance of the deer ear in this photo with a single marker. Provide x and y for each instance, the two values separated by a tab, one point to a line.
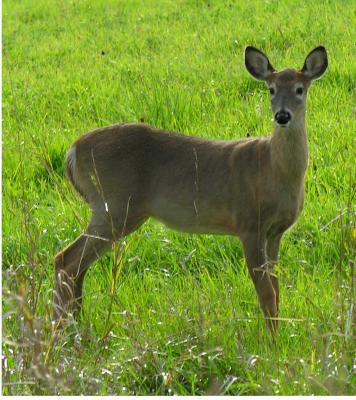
257	64
316	63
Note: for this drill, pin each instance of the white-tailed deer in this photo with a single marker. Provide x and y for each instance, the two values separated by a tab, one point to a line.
251	188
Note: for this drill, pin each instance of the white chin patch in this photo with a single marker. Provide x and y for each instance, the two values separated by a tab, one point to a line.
282	125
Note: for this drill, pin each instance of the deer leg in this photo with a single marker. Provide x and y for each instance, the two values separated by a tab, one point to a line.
255	253
273	243
71	264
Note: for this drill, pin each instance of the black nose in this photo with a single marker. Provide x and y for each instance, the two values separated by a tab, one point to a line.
282	117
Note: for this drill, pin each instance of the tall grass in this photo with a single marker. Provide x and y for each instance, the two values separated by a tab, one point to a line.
181	316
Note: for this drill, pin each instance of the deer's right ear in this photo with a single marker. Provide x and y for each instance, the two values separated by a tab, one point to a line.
257	64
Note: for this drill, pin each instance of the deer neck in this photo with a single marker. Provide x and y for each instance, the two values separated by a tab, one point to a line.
289	151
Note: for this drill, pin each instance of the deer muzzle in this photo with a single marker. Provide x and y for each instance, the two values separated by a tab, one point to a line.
282	117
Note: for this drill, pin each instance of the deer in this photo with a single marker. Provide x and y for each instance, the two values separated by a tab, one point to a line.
251	188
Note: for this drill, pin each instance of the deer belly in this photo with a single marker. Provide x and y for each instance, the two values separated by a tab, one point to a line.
194	219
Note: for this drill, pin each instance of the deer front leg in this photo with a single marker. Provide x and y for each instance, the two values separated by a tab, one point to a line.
273	243
255	253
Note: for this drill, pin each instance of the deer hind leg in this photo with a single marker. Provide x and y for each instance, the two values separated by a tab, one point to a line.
255	253
71	264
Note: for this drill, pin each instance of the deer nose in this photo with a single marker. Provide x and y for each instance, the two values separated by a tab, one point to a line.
282	117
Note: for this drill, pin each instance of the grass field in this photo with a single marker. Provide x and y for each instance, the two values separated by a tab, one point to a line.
167	312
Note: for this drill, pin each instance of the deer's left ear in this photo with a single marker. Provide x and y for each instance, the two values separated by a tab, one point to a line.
316	63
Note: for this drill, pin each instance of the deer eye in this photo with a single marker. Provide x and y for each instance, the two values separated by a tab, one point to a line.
272	91
299	90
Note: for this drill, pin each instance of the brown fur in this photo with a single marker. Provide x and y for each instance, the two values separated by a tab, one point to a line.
252	188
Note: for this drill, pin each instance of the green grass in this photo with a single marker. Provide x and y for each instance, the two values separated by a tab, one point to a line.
184	315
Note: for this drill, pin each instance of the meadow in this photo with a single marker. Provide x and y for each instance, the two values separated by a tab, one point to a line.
169	313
